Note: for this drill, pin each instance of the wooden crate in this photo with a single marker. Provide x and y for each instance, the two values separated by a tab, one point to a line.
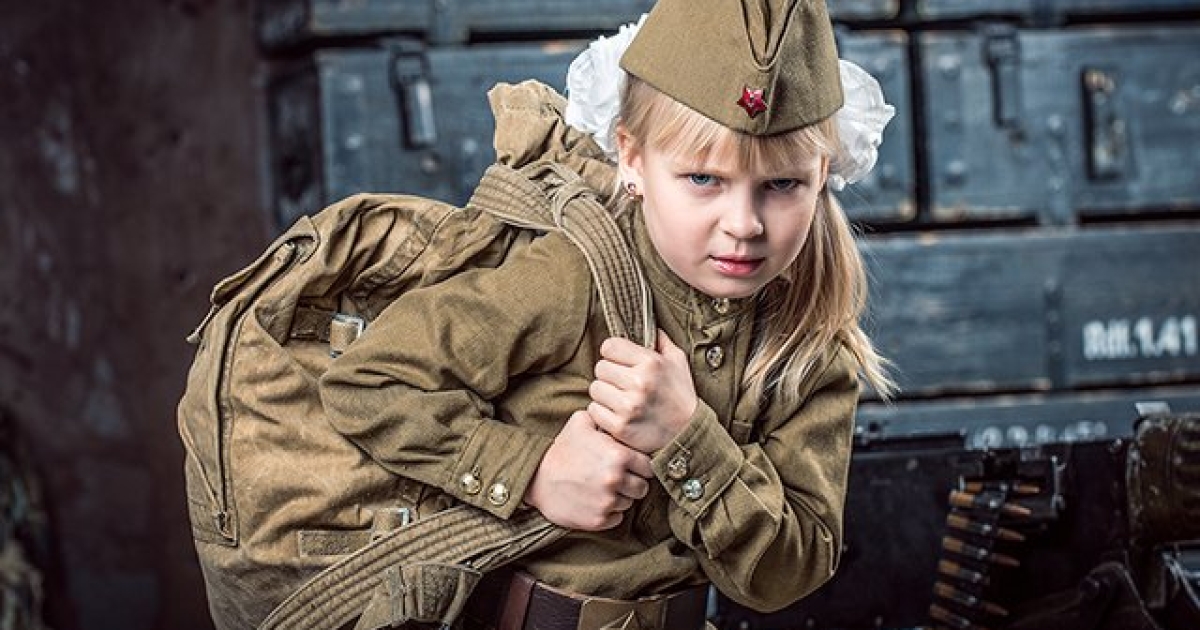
284	24
1055	126
402	116
988	311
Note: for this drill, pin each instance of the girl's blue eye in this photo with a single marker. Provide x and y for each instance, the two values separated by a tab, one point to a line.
700	179
783	185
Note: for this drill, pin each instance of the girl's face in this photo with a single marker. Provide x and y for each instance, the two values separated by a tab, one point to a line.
724	229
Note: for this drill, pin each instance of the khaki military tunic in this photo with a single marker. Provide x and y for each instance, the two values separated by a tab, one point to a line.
463	386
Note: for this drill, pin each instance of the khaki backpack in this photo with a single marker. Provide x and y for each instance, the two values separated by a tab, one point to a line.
295	526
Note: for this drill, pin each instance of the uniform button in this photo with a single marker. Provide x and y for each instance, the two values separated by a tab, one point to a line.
721	305
715	357
470	483
498	494
693	489
677	468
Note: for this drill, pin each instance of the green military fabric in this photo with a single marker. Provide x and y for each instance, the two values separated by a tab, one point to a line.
275	494
748	496
758	66
423	572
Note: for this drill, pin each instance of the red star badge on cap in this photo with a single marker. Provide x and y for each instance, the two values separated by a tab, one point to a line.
752	101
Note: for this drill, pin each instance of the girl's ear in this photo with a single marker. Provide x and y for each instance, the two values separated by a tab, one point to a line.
629	157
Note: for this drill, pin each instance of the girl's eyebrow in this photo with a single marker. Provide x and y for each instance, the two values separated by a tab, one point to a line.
801	169
684	164
791	172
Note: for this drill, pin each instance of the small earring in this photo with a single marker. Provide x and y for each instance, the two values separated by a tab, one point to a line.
631	191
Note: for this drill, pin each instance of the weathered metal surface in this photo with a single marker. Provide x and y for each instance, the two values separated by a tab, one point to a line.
962	312
405	117
1055	125
1023	419
409	119
1128	308
1044	10
283	23
888	195
286	23
1035	310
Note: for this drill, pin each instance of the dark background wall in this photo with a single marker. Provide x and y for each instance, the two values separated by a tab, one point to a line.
129	183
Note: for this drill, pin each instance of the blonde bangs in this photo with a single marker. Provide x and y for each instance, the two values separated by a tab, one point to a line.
680	130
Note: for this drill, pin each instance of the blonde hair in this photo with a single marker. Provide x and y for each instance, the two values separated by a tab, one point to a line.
822	297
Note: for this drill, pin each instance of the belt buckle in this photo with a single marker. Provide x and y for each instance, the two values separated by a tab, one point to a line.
614	614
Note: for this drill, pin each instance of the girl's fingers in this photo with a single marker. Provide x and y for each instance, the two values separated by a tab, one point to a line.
610	522
606	395
639	464
605	419
634	488
623	351
664	342
616	375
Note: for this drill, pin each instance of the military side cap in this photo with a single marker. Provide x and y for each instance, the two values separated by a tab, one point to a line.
758	66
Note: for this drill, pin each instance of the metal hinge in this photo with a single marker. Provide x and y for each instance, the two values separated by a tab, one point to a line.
1002	50
409	68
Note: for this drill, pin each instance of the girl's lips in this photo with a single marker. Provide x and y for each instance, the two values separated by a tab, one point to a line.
737	266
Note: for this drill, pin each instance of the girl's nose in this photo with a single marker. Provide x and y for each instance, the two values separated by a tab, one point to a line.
741	218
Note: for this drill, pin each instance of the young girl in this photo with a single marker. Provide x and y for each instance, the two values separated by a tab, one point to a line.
719	456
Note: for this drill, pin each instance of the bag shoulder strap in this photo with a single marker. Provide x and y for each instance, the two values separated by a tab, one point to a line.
519	197
425	571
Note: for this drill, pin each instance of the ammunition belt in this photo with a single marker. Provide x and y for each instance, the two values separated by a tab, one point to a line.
983	535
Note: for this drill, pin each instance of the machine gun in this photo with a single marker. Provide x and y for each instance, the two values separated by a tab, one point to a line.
1096	535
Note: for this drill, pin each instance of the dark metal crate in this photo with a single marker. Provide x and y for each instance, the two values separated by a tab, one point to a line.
1058	125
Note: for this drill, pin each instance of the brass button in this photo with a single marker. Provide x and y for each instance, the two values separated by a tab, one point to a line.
677	468
693	489
470	483
721	305
715	357
498	494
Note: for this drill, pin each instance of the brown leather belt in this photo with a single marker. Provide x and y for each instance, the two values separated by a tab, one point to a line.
516	601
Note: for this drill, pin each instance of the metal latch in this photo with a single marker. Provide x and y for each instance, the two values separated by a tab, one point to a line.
344	329
1002	50
1107	134
410	80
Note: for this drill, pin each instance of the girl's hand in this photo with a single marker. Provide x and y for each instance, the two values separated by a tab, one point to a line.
587	480
642	397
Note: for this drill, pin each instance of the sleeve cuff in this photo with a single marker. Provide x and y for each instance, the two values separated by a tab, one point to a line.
496	467
697	466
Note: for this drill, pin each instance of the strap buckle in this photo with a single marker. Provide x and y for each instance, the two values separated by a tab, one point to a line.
344	329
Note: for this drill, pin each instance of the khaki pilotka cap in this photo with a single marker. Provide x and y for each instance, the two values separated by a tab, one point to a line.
761	67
